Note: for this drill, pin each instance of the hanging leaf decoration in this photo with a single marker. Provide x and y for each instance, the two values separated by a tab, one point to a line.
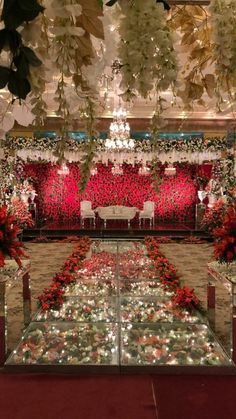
18	86
14	13
10	38
165	4
4	76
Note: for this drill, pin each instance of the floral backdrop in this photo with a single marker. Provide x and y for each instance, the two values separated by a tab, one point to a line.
59	200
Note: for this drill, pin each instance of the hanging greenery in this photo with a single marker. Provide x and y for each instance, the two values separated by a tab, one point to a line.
223	19
90	145
193	23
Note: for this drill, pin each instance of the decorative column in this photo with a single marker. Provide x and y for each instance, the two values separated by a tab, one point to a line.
211	303
26	297
3	321
233	331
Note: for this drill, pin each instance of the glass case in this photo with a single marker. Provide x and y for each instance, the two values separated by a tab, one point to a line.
118	314
85	288
58	343
137	288
154	310
83	309
166	344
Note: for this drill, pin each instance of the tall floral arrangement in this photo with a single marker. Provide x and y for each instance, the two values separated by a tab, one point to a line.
225	237
214	216
19	210
9	244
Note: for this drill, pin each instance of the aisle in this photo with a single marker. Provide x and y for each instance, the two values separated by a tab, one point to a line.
118	315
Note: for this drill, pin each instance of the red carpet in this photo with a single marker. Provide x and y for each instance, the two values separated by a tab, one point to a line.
195	397
71	397
117	397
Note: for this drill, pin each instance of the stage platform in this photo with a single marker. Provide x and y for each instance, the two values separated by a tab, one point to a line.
115	229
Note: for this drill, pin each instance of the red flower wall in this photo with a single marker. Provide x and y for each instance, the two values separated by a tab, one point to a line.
59	200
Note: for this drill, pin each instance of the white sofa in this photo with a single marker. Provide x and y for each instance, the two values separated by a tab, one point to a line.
116	212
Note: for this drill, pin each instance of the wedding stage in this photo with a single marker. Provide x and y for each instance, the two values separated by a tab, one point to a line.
116	229
117	202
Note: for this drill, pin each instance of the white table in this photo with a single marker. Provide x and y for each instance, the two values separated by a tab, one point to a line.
116	212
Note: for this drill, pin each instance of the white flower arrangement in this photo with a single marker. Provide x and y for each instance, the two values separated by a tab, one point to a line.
223	22
145	49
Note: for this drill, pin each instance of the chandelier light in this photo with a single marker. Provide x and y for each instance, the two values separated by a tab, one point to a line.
117	169
170	170
119	132
63	170
94	171
144	170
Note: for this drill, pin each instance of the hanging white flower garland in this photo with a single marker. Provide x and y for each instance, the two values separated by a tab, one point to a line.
146	49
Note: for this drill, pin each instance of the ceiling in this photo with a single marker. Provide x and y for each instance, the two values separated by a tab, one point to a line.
141	109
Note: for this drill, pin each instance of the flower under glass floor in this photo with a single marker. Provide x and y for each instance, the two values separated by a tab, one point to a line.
118	313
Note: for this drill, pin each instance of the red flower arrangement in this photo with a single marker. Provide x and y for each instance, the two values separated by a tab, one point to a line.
9	244
58	197
21	213
225	237
166	271
214	216
53	297
63	279
186	298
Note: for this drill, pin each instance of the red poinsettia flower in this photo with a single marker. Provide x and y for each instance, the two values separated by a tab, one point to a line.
53	296
186	298
9	244
225	237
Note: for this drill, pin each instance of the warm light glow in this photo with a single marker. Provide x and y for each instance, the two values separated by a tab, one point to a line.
144	170
94	171
117	169
64	170
119	132
170	171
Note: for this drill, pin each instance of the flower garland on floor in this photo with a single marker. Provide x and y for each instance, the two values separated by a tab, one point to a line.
9	244
53	296
225	237
183	297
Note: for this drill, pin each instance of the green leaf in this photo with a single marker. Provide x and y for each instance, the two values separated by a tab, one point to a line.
4	76
17	86
100	2
31	57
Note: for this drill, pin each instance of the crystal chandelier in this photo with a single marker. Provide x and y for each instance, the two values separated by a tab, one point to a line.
144	170
119	132
94	171
117	169
63	170
170	170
